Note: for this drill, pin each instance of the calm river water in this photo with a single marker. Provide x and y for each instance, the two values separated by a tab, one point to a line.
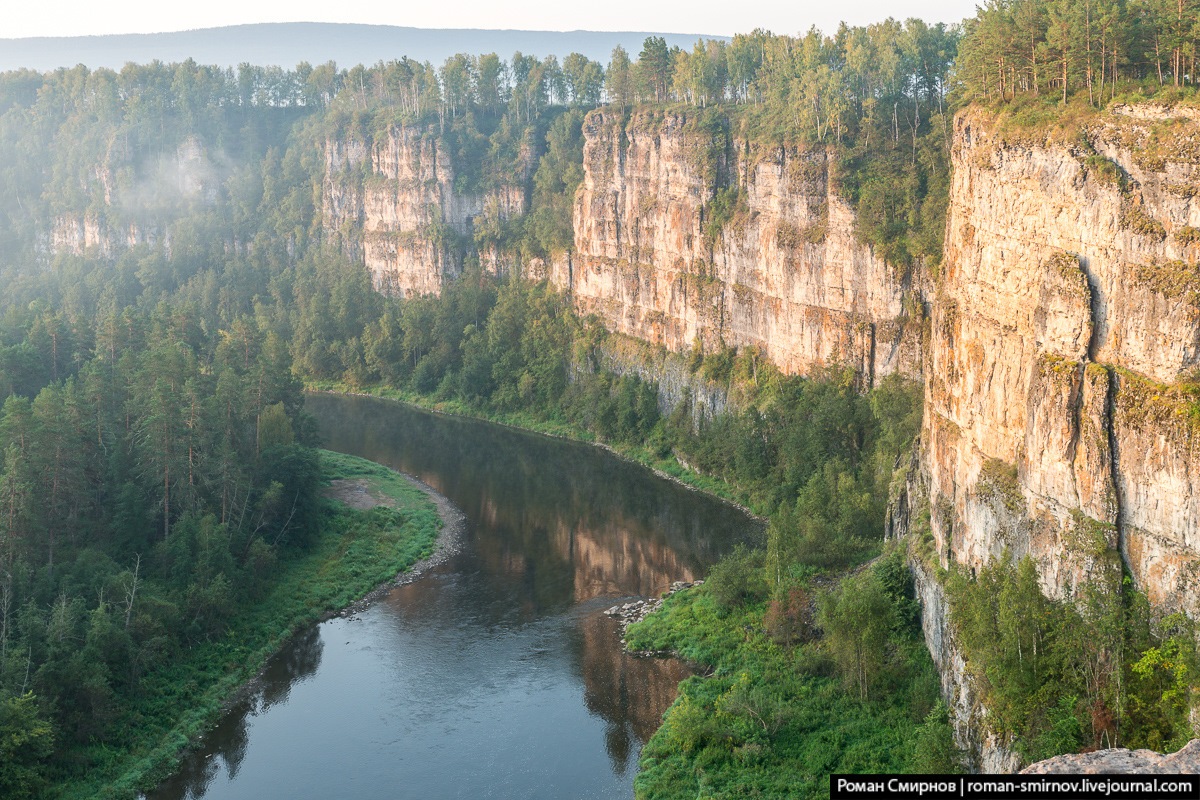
495	675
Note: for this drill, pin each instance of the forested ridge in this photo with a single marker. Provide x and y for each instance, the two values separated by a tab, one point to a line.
158	472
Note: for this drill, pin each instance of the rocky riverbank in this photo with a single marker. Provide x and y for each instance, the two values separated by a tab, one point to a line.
637	610
356	494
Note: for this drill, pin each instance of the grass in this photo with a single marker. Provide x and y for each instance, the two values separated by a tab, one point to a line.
516	419
771	720
354	552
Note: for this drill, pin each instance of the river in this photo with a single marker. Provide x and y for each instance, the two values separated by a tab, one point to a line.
496	675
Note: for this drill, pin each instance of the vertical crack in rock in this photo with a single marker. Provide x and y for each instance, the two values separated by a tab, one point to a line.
1075	402
1075	409
1114	458
1095	308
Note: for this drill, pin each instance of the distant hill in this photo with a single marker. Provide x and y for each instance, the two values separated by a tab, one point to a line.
288	43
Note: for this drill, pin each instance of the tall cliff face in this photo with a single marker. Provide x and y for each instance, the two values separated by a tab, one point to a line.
1064	338
1067	312
785	273
394	199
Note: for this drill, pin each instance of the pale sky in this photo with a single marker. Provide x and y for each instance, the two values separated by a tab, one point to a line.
24	18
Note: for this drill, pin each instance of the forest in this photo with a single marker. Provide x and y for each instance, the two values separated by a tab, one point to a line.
1028	47
159	475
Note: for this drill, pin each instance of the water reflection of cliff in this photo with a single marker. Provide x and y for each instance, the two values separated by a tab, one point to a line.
558	524
630	694
568	521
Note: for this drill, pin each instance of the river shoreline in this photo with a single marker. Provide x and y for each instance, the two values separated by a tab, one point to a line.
420	446
448	544
601	445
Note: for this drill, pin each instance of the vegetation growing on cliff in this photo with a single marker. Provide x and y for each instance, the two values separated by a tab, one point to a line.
1057	677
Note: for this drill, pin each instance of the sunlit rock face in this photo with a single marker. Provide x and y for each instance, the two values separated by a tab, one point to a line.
1067	311
784	273
1062	320
391	199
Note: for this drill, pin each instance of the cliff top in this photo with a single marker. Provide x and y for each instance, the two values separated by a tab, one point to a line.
1040	120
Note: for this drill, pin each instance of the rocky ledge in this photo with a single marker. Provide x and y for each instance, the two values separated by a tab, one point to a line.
637	610
1118	760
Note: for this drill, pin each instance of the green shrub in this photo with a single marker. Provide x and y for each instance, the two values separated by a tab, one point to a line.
1107	172
858	618
727	206
1138	220
738	579
935	751
1187	236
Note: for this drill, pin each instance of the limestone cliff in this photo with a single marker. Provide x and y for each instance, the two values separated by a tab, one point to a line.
784	272
1067	313
137	201
1058	408
77	234
392	197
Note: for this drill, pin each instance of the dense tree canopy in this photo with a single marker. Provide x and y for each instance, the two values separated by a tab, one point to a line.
1027	46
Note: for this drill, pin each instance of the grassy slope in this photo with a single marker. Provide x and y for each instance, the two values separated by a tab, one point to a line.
355	551
771	721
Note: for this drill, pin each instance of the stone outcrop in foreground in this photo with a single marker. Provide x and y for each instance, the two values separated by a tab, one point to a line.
1119	760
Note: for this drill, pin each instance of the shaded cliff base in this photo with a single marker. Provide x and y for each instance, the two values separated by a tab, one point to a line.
680	377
